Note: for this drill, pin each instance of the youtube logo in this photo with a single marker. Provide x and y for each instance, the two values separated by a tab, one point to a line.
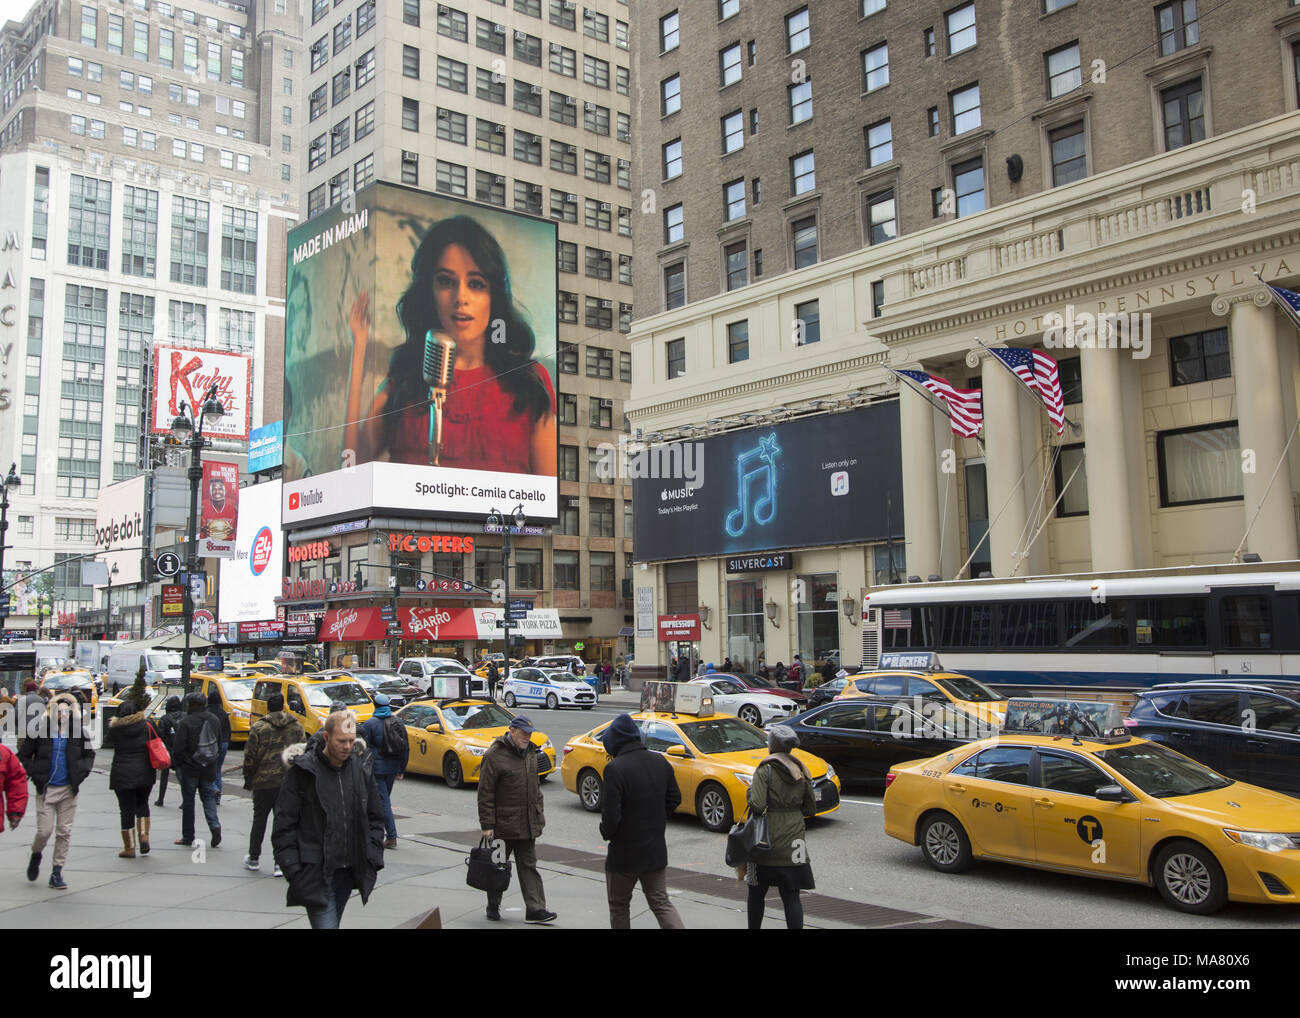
293	500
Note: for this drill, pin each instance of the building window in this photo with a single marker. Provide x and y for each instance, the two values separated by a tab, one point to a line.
1184	114
600	313
528	147
568	465
882	217
565	563
737	342
927	42
674	287
600	362
411	64
961	28
567	355
877	297
736	258
1072	501
872	7
598	467
803	177
673	159
599	263
363	172
733	132
411	115
563	14
601	415
729	61
452	74
533	8
528	198
965	107
625	269
808	322
595	119
189	255
880	143
624	367
669	29
450	178
487	37
564	61
1199	464
340	136
1176	22
364	121
727	9
1199	357
564	206
1071	377
568	408
489	86
528	99
239	249
875	67
602	568
733	199
676	357
528	49
801	106
1069	154
595	25
140	232
674	227
804	234
365	68
968	183
452	23
745	623
670	95
798	32
1063	70
342	36
89	202
566	257
489	137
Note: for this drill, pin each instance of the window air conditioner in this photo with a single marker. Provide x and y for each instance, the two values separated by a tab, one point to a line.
606	403
604	206
571	197
498	128
520	36
444	114
606	303
589	106
499	180
570	101
499	29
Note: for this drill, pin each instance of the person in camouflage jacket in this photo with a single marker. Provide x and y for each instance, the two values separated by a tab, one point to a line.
264	768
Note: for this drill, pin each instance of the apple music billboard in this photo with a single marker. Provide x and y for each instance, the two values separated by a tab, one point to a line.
419	365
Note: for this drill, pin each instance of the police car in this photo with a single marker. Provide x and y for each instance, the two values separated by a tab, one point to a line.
547	689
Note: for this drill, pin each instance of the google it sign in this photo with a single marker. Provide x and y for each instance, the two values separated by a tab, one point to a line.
261	553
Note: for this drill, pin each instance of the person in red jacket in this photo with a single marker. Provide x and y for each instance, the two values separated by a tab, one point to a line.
13	788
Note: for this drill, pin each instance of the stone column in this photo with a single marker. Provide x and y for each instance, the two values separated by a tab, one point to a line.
1262	425
920	482
1106	463
1004	462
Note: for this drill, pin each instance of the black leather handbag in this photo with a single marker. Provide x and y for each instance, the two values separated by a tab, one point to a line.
483	872
747	839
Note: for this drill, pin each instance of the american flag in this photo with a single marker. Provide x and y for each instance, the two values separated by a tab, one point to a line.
1288	301
896	618
965	406
1038	371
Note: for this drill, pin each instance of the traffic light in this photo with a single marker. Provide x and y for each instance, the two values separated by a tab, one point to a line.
357	577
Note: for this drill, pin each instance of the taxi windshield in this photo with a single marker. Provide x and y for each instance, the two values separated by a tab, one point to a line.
475	715
1161	772
758	682
67	680
965	688
348	693
236	689
723	735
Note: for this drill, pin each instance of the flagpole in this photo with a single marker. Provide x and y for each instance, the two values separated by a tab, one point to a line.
1075	429
936	403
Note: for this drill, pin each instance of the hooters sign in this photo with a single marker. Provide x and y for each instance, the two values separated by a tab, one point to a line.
183	375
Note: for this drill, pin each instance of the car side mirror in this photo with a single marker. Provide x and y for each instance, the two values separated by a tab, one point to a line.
678	751
1113	793
435	727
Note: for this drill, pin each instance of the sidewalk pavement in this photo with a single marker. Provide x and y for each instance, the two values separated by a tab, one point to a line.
193	888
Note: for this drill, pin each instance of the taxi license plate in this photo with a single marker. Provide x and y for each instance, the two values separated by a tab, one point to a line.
819	794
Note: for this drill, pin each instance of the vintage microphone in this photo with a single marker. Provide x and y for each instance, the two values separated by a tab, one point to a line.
439	366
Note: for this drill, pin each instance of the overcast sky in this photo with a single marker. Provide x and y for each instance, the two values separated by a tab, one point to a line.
13	10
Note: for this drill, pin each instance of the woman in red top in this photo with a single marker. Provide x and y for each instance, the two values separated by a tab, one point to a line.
500	408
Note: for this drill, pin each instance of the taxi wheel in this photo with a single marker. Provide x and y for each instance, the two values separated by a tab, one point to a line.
750	715
510	700
1190	879
944	844
713	807
552	701
590	790
451	771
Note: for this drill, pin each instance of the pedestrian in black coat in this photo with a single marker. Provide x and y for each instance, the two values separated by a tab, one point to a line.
197	777
166	727
494	679
328	834
640	795
131	776
218	710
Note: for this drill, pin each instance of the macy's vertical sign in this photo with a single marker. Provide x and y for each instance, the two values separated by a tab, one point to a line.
8	319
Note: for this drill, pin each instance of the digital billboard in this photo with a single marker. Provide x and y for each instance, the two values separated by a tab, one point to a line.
184	375
250	582
816	480
119	523
420	359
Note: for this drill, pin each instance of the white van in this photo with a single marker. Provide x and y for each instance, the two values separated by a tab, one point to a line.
93	654
124	660
419	671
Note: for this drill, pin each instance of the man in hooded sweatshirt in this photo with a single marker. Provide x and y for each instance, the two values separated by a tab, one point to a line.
167	725
328	834
264	768
389	761
510	808
640	795
198	735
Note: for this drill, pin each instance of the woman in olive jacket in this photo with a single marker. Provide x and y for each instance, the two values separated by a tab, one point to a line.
132	775
782	787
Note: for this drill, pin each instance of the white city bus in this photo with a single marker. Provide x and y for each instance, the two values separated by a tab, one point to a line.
1121	631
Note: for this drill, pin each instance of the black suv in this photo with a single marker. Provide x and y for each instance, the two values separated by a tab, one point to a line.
1250	732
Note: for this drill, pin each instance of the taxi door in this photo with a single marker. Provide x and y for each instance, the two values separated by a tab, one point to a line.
425	757
1073	828
990	795
295	702
659	737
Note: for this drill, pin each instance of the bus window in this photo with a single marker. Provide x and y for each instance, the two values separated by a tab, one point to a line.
1172	622
1090	624
903	628
1246	622
965	625
1029	624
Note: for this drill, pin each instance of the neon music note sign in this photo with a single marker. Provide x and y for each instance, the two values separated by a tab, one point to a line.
762	510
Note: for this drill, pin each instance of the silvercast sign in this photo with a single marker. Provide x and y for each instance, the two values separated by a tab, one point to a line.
758	563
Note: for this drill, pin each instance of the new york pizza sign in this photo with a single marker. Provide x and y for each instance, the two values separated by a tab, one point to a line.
184	375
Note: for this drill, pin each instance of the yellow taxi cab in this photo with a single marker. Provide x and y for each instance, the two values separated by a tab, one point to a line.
260	667
65	680
713	757
450	737
920	674
481	669
1079	795
236	689
308	697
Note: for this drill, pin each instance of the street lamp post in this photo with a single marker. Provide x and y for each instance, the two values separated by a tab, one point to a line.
42	603
11	483
187	428
108	609
495	519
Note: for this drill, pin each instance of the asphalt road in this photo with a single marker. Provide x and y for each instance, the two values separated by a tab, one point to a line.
854	859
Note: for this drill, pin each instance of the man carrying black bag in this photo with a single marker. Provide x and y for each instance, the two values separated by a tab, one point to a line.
640	795
510	808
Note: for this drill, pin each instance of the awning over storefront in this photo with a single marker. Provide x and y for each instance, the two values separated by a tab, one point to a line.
343	625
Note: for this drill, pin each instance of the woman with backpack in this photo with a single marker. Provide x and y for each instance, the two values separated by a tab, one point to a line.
385	735
781	789
132	775
167	726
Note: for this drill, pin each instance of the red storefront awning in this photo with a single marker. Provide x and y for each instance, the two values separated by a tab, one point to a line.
341	625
